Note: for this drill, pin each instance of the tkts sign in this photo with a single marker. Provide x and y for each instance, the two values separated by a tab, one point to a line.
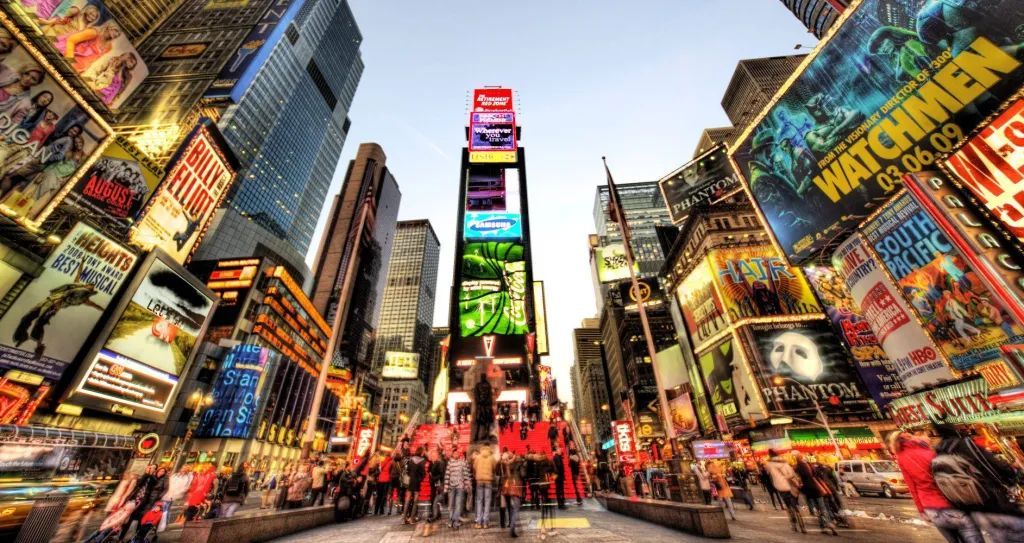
962	403
625	441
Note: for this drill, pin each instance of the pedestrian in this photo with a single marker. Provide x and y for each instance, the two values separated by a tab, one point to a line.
177	487
318	483
456	484
716	473
269	487
704	482
147	494
553	435
395	495
766	482
914	456
512	488
574	472
499	482
281	500
787	483
236	490
483	472
974	480
558	466
814	492
532	477
416	471
833	501
383	491
437	471
300	484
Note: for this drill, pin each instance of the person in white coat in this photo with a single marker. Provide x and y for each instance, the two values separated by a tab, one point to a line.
787	482
177	485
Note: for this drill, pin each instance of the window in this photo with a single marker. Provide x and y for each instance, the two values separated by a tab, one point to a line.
857	467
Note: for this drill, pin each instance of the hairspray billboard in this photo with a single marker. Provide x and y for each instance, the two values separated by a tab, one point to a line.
875	368
238	394
899	82
756	282
963	317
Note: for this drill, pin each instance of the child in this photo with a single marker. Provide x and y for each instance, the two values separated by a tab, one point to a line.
149	522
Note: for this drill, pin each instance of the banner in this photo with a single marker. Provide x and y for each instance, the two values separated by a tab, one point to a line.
118	184
197	180
991	167
684	419
47	136
92	44
492	225
492	289
492	131
492	100
702	181
238	394
732	391
756	282
899	83
485	190
611	263
399	365
915	361
702	309
958	311
875	368
966	402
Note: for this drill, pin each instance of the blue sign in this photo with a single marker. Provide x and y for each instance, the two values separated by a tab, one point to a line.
492	225
607	444
237	394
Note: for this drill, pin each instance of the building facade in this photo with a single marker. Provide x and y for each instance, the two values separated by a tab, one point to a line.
400	400
594	410
753	85
645	210
817	15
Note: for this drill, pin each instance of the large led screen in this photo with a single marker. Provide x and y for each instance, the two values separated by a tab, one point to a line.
492	131
238	393
492	290
492	225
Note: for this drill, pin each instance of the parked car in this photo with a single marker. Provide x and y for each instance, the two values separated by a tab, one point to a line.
882	477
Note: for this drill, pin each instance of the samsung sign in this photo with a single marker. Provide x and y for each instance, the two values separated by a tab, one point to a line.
492	225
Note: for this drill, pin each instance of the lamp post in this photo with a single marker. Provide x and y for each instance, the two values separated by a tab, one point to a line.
199	402
778	380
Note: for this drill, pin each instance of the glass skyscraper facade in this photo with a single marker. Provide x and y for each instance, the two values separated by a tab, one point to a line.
645	210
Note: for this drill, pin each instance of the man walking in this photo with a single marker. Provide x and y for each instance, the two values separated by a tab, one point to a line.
574	472
558	465
456	484
483	471
787	483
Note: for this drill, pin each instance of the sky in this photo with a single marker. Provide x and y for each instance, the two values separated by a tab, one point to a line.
635	81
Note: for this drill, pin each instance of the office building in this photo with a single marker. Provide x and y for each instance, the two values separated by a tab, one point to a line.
138	18
712	136
400	401
645	209
591	383
407	310
753	85
817	15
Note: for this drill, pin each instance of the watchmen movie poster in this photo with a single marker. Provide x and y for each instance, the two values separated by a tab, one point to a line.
893	89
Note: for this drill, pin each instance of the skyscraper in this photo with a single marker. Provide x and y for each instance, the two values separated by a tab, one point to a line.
407	310
645	209
817	15
753	85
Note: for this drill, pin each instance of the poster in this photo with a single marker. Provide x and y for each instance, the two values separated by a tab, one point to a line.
811	360
196	182
756	282
118	184
957	310
990	166
149	346
236	75
702	309
492	131
731	389
91	43
238	394
702	181
492	99
485	190
684	419
611	263
47	136
398	365
492	290
492	225
898	84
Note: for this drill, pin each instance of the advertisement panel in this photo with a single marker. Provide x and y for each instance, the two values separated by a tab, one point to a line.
966	402
197	180
92	44
684	419
49	135
118	184
540	316
899	82
647	291
917	363
808	357
492	100
702	181
149	346
492	225
492	131
710	449
398	365
957	310
238	394
701	307
48	323
611	263
730	385
625	441
485	190
875	368
990	166
492	290
756	282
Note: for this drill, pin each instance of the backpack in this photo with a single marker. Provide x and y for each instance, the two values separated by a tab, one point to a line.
961	482
234	486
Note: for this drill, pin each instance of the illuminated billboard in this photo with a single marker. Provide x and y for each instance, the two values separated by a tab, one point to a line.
492	99
485	190
398	365
611	263
492	289
704	180
540	312
684	418
197	180
492	131
899	83
119	184
238	394
756	282
730	384
646	291
492	225
148	345
92	44
702	309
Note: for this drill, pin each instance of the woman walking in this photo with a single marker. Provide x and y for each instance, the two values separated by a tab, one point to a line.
787	483
814	492
718	479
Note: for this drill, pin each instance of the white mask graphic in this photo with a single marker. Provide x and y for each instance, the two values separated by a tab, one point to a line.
799	353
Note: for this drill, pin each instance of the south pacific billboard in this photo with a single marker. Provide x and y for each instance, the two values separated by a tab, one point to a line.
492	290
756	282
702	181
959	313
898	84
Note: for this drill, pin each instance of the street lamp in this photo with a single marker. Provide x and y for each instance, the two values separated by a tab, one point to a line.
778	380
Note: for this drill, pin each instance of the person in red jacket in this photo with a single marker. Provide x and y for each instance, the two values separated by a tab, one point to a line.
202	483
914	456
383	486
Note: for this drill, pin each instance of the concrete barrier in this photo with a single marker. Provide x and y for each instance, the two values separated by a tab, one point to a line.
696	519
256	526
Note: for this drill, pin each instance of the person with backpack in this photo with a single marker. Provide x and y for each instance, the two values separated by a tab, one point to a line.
236	489
787	483
815	491
975	481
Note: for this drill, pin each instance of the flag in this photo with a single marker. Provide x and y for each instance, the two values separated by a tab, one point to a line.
615	211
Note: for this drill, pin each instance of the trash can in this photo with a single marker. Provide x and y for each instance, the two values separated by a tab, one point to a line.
43	519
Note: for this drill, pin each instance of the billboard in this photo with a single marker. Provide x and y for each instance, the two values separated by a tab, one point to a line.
118	184
711	449
810	354
756	282
398	365
492	99
49	137
684	419
485	190
492	225
625	441
540	314
899	82
149	344
92	44
492	131
702	309
916	362
239	71
875	368
611	263
990	166
238	394
647	290
492	289
959	313
197	180
730	385
702	181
